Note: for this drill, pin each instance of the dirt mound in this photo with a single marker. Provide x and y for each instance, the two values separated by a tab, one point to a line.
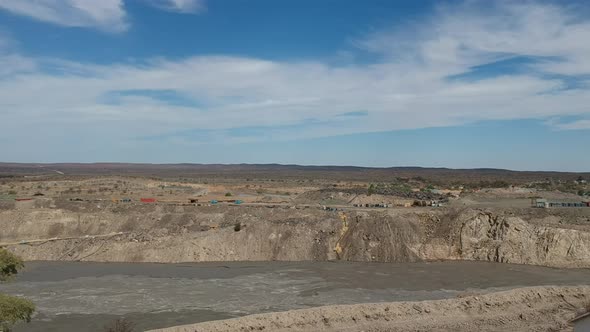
525	309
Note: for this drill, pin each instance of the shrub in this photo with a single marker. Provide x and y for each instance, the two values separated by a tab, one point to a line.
227	194
9	264
12	309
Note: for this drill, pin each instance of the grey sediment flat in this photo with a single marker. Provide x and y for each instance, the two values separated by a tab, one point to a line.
82	296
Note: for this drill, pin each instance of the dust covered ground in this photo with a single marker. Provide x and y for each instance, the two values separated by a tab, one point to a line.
220	213
525	309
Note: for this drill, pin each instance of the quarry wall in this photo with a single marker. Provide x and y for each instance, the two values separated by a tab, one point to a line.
49	230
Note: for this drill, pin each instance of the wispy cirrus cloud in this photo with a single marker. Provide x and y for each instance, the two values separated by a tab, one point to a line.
11	62
418	82
477	32
107	15
575	124
180	6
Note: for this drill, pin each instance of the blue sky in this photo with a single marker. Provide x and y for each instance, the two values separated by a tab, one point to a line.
371	83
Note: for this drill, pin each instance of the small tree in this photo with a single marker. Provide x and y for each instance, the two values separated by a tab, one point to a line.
371	190
9	264
12	309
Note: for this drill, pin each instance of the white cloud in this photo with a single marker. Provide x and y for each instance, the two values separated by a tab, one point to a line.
580	124
409	88
107	15
11	62
473	33
181	6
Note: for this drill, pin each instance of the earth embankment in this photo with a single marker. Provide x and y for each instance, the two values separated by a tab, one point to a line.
104	231
524	309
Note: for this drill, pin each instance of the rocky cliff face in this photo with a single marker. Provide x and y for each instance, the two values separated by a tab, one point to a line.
499	238
104	232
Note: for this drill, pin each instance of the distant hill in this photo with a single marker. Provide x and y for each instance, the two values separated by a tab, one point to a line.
277	171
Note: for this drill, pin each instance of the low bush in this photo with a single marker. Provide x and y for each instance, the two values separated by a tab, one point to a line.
12	309
9	264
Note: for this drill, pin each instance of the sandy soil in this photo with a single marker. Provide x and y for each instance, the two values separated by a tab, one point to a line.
525	309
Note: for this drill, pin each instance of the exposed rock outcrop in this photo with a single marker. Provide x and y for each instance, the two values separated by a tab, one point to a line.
507	239
160	233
